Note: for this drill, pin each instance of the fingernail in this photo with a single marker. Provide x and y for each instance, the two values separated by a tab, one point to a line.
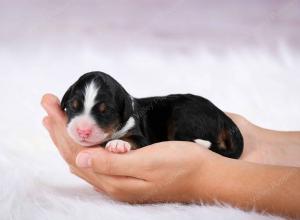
83	160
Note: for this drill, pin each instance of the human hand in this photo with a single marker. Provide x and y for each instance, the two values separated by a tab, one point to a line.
181	171
160	172
256	149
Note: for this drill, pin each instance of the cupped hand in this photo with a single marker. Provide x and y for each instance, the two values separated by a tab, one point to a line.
160	172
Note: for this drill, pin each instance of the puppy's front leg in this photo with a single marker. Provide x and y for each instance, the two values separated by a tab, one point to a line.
118	146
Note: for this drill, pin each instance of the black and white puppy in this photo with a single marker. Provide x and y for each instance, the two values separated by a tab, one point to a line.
100	111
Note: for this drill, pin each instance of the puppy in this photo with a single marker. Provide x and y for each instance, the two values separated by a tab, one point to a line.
100	111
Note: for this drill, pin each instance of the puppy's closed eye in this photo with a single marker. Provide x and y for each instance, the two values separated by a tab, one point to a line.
102	107
75	105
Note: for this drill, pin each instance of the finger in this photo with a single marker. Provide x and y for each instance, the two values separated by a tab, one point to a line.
51	104
115	186
55	123
124	188
99	190
51	128
88	176
65	145
47	123
105	162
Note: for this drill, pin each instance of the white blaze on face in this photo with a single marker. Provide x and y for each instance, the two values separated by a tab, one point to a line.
90	95
85	122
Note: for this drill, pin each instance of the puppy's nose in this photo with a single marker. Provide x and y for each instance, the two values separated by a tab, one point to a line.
84	133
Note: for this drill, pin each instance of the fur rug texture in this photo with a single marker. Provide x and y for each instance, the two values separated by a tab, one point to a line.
243	56
35	182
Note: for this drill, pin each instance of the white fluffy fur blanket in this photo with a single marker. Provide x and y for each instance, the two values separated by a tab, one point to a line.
35	182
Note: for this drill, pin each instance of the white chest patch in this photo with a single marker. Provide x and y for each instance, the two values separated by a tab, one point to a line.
130	123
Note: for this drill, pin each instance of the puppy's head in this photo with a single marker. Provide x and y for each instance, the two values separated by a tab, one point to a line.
97	106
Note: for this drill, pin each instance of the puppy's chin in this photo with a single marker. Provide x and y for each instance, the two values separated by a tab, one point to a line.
86	143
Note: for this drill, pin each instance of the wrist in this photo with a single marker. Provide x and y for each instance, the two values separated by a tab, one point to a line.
208	178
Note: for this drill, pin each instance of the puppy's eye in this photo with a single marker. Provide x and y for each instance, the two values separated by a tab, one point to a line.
75	104
102	108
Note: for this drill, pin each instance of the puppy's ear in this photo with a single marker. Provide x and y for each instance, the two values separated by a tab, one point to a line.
66	98
127	107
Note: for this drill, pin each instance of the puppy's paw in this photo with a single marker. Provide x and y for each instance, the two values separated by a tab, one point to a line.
118	146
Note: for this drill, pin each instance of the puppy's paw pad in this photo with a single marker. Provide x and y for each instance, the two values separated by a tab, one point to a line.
118	146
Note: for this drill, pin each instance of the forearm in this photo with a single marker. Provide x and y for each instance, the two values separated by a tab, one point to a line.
247	185
283	138
278	147
268	146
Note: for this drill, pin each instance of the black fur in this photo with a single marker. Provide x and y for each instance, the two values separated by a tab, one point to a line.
174	117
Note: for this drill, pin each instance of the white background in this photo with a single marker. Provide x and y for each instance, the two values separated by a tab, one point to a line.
243	56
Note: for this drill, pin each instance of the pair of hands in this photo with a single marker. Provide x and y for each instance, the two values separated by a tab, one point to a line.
186	172
162	172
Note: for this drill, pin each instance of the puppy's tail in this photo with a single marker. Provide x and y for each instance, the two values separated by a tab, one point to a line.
230	141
